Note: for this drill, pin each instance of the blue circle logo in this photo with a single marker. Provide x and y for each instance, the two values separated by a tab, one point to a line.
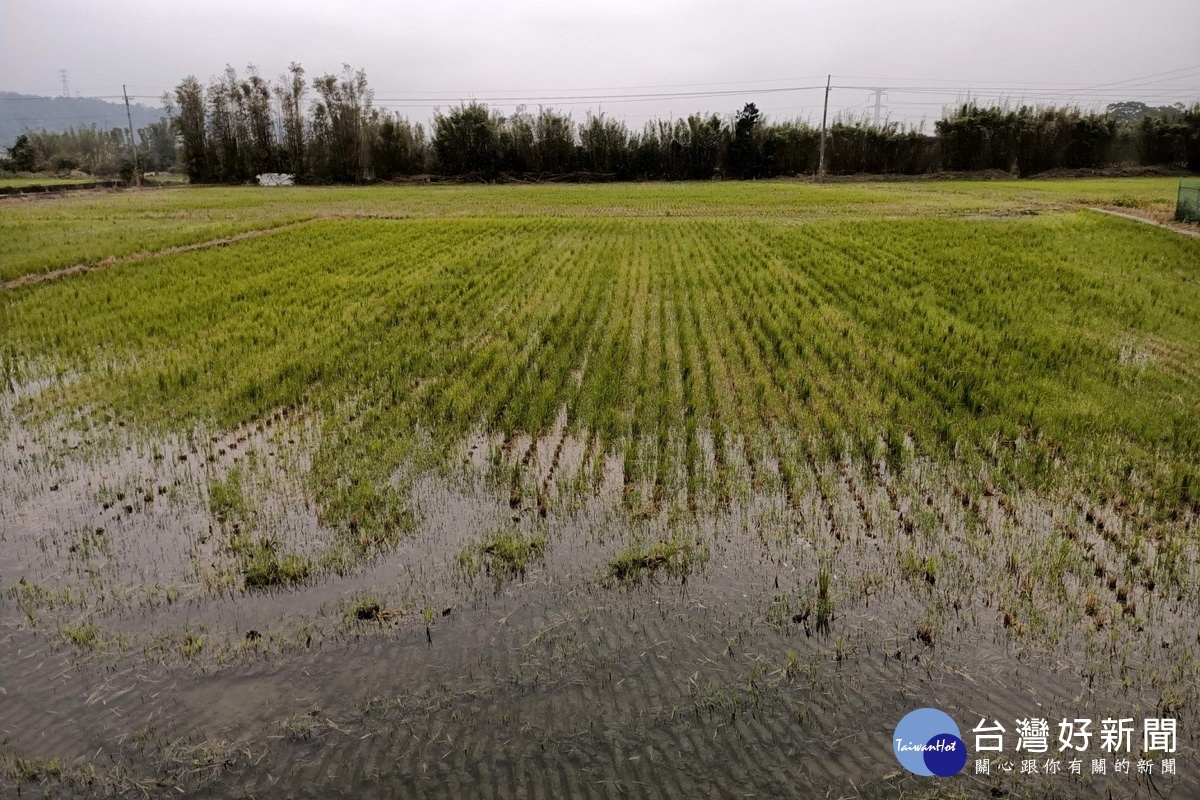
927	742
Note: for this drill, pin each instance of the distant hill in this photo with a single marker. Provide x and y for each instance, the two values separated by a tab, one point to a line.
22	112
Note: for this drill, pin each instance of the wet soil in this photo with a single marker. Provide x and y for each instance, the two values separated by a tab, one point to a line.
133	661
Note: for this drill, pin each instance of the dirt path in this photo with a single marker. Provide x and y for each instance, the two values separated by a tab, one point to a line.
116	261
1186	231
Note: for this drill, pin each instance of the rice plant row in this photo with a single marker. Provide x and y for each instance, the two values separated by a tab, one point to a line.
706	356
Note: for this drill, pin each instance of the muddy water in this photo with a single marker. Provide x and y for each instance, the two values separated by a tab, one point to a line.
560	682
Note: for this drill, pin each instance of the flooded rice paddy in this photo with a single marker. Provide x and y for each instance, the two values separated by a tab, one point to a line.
767	650
631	491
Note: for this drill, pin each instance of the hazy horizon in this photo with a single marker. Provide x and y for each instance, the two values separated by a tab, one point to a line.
686	57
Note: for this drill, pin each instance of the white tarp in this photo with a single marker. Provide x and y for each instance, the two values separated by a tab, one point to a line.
275	179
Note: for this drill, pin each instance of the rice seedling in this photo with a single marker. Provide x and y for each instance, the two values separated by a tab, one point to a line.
502	556
27	770
84	634
676	557
263	568
825	604
192	645
914	421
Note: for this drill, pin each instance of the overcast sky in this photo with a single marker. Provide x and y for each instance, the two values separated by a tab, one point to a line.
442	52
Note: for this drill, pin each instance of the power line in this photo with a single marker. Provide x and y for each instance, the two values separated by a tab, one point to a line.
998	89
1193	68
1153	87
624	88
594	97
425	99
433	95
89	97
976	81
58	119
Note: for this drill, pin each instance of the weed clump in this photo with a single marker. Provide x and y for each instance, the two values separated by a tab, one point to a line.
806	607
366	610
192	645
824	600
916	569
82	634
299	727
263	568
924	635
259	561
226	498
676	557
1132	201
369	609
503	556
32	770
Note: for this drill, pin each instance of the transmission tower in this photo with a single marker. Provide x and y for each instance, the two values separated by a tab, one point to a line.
62	74
879	95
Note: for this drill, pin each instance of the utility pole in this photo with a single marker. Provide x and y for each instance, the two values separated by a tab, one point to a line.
824	118
62	74
878	94
137	175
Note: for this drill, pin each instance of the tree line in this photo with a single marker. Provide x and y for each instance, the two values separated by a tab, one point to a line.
328	130
99	152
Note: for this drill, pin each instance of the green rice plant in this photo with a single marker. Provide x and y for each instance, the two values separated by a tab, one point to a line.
502	556
84	634
32	770
824	604
917	569
226	497
262	567
192	645
676	557
725	351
